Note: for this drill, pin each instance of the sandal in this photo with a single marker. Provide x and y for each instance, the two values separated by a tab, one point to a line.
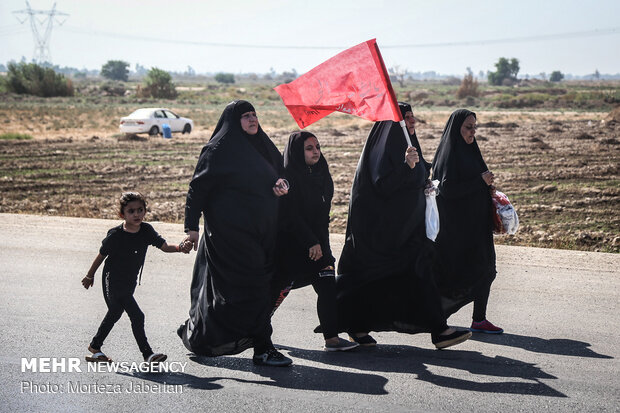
156	358
97	356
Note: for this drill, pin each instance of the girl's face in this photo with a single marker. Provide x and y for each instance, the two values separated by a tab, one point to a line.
468	129
410	122
133	214
312	151
249	123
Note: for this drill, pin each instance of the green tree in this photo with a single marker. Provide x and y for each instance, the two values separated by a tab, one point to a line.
225	78
158	84
506	72
32	79
556	76
115	70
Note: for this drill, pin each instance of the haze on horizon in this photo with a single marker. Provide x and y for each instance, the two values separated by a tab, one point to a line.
443	36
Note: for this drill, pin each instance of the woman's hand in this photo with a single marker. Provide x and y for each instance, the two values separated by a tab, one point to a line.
488	177
411	157
315	253
281	187
192	240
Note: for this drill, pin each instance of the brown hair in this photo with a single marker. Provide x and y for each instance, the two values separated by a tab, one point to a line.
128	197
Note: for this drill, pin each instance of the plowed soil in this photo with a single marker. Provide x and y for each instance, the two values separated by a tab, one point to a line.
560	172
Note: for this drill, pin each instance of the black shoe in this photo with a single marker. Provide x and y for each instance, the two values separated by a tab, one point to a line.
447	340
364	341
272	357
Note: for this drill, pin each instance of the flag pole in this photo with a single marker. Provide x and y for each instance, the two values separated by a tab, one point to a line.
406	132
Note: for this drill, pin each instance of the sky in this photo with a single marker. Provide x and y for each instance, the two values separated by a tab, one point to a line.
574	37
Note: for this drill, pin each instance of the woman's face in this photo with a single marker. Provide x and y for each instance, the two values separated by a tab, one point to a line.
249	123
312	151
468	129
410	122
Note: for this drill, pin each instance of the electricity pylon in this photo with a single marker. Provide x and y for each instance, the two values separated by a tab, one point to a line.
41	39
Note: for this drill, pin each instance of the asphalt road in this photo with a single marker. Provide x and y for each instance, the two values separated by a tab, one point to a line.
560	350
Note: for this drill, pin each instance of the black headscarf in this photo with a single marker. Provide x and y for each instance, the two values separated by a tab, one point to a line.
465	240
311	179
306	209
454	158
232	189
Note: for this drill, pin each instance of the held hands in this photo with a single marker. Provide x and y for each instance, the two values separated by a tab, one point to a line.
315	253
411	157
88	281
185	247
488	177
281	187
190	241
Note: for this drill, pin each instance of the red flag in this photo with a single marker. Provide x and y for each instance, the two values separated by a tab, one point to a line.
354	81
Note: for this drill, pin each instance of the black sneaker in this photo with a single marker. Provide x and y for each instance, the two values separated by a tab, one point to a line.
447	340
272	357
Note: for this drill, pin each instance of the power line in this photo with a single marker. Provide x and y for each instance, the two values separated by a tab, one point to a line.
41	40
542	37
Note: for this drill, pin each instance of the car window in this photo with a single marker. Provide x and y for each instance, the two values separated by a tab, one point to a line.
159	114
141	113
170	114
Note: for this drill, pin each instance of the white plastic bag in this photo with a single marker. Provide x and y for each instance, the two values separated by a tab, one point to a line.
506	220
432	213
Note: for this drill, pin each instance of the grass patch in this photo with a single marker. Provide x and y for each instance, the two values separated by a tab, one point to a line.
14	136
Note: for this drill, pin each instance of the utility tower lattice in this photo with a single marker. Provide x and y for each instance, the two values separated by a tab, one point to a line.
41	39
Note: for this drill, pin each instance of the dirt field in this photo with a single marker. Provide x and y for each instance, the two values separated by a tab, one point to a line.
560	170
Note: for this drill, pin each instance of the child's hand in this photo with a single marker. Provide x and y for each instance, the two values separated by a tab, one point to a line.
88	282
185	247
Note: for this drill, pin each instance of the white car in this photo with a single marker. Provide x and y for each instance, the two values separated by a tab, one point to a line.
150	120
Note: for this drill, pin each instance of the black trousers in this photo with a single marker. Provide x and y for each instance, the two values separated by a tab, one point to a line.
121	300
481	300
326	307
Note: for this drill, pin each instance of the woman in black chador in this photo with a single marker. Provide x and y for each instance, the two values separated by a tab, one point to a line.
385	277
465	240
305	256
235	187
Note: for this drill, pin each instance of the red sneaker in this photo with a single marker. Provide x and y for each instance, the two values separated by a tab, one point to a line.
485	326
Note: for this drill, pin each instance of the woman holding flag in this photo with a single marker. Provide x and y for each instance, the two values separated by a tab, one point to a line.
385	273
386	280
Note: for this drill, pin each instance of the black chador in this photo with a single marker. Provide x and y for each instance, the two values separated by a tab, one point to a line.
232	189
385	278
465	240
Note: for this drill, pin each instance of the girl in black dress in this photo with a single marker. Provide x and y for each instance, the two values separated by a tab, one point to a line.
305	255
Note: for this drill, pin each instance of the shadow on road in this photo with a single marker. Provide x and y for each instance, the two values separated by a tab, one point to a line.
187	380
406	359
558	346
300	377
296	377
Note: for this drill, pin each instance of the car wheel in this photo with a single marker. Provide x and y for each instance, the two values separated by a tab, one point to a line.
154	131
187	128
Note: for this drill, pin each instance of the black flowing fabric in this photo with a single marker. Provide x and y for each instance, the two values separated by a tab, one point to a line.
305	215
232	189
385	278
465	240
